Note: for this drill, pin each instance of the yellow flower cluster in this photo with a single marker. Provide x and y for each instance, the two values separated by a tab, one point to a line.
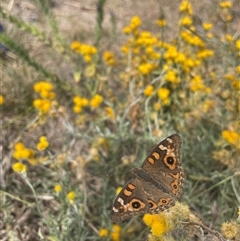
148	90
171	76
115	233
205	53
163	94
185	7
225	7
43	105
207	26
134	24
185	62
192	39
232	137
196	84
225	4
79	103
186	21
157	223
1	99
21	152
43	143
19	167
145	68
144	47
71	196
87	51
108	58
44	89
186	18
96	101
164	222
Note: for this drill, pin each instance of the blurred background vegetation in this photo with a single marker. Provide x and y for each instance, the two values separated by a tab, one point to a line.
89	87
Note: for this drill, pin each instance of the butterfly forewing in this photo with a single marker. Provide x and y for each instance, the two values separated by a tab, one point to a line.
164	166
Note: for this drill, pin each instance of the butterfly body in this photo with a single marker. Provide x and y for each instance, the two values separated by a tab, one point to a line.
156	185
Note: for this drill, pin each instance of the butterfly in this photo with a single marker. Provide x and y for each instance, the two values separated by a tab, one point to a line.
156	185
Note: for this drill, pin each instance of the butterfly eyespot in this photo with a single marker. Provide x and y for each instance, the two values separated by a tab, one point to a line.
164	201
136	205
150	205
170	160
175	186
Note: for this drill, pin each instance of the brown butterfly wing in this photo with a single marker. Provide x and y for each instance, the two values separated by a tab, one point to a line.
139	197
130	201
163	165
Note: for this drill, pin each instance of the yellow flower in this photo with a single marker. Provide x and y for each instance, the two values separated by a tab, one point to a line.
103	232
87	58
135	22
186	7
71	196
81	102
1	99
19	167
163	93
77	109
145	68
157	223
171	76
229	229
43	143
109	58
192	39
43	105
161	22
87	51
19	146
96	101
232	137
41	86
75	45
186	21
148	90
21	152
225	4
110	112
115	234
127	30
205	53
207	26
58	188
